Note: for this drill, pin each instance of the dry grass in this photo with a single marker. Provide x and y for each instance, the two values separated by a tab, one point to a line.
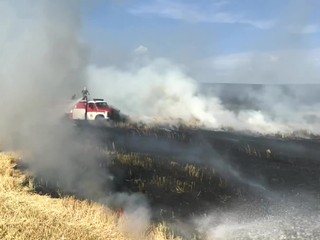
26	215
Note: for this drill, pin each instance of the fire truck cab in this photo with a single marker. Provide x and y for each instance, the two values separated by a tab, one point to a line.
96	109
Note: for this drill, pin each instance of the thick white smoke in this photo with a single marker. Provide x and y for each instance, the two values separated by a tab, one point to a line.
156	89
161	89
42	63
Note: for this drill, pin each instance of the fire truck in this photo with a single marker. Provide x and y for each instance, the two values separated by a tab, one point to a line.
95	109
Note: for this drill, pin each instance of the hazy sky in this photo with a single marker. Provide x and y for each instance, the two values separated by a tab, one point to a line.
210	33
212	40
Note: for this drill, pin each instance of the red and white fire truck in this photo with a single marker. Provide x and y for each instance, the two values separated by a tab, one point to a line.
95	109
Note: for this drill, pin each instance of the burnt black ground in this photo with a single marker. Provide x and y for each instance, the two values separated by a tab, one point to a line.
255	173
252	168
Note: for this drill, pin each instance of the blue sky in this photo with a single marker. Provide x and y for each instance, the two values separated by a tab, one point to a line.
189	31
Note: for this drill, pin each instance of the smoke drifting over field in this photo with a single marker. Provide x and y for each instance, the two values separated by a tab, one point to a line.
154	87
44	61
159	89
42	64
47	60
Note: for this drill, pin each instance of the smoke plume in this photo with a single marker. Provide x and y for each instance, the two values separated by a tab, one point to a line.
43	63
159	89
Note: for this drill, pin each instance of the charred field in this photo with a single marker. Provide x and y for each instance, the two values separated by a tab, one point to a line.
187	172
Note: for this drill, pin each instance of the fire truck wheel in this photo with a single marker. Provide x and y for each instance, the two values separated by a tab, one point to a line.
99	118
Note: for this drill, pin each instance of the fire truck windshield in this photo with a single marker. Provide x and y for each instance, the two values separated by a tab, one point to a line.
102	105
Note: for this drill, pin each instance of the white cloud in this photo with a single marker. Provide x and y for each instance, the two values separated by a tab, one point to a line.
193	13
227	62
285	66
307	29
141	50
